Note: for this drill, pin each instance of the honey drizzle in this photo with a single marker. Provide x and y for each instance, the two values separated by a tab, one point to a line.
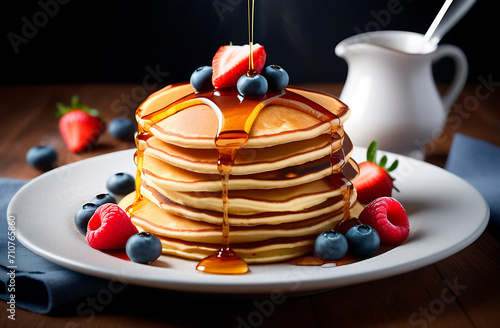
226	261
339	179
140	142
251	14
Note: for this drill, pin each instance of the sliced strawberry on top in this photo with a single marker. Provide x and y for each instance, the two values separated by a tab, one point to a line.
374	180
231	62
79	126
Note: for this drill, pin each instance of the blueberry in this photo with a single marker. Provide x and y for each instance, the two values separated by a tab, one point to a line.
255	85
276	77
102	199
83	215
42	158
363	241
201	79
120	183
143	247
330	245
122	128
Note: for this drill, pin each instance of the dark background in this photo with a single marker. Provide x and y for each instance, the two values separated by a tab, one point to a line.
77	41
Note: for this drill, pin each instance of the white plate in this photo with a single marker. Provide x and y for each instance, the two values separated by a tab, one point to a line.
446	214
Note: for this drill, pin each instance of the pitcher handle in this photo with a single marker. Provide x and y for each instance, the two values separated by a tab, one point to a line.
461	71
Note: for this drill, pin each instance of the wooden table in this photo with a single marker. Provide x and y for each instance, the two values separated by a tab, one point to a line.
460	291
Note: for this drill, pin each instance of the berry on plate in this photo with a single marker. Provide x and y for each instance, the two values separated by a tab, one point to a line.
201	79
388	217
83	215
255	85
79	125
143	248
330	245
120	183
374	180
276	77
109	228
42	158
231	62
363	241
122	128
102	199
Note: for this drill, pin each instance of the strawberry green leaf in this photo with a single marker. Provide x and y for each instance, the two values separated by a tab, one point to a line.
61	107
75	104
383	162
75	101
61	110
371	152
393	166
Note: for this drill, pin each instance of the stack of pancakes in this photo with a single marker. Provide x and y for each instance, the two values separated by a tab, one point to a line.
281	195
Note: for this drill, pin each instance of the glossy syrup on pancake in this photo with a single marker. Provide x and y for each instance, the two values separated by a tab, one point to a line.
236	115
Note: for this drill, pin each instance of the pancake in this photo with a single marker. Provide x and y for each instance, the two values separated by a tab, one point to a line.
248	160
182	236
330	205
252	201
263	252
151	218
173	177
280	121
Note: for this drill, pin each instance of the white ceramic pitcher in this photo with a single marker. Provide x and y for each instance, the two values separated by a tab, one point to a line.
391	90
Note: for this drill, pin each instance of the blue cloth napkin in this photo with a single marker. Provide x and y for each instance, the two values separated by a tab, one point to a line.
478	162
33	283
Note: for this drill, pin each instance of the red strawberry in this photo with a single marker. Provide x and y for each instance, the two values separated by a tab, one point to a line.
374	180
388	217
109	228
78	127
231	62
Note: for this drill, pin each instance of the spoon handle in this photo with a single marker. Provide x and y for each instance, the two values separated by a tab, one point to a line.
451	16
437	20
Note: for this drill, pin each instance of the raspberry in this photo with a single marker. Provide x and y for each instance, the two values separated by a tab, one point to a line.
109	228
388	217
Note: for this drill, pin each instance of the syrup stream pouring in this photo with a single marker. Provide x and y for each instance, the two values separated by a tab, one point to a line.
446	18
